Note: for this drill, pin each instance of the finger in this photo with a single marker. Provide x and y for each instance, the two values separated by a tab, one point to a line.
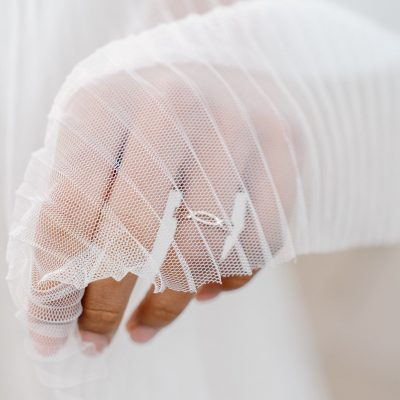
156	311
133	208
74	188
104	304
236	282
208	292
212	290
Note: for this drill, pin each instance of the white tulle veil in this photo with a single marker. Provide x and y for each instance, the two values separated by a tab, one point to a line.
232	138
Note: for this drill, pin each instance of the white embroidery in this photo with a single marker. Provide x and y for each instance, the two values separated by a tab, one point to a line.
169	223
238	219
166	231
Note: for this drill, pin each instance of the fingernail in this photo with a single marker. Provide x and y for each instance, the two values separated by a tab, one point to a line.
100	342
142	334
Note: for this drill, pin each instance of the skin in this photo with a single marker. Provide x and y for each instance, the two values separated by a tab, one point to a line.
105	301
73	217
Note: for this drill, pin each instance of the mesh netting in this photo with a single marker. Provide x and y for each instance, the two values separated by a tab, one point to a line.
208	147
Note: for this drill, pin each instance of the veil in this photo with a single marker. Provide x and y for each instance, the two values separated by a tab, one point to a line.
232	139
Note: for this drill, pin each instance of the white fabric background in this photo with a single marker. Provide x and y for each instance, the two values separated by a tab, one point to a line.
196	358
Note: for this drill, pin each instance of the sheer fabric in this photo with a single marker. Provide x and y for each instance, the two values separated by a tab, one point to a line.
205	148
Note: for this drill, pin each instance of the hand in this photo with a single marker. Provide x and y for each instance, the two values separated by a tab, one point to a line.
108	187
104	303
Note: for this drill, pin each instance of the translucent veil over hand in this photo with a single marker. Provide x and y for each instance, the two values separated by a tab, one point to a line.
208	147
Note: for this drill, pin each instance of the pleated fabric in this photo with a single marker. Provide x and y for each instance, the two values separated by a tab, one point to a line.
202	148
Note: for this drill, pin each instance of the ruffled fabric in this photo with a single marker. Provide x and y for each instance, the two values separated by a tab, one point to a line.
205	148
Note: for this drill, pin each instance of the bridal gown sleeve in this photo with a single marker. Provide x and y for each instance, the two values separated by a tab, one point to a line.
223	142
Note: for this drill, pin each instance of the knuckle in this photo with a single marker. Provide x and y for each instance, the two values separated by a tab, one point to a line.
99	320
162	314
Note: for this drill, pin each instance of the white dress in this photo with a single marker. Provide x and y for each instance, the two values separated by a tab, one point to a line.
253	344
